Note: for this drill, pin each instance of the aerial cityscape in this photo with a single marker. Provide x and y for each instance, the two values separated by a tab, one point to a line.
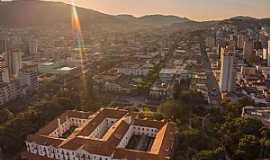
119	80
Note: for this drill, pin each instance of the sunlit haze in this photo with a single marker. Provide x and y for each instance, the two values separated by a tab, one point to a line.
193	9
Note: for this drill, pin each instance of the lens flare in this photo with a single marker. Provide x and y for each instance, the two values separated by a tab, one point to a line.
77	33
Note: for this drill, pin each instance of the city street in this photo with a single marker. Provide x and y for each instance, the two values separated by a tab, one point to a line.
212	82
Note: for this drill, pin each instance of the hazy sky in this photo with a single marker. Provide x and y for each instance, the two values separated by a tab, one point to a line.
194	9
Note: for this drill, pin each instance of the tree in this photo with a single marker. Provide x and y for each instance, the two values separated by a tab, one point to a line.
168	109
194	138
248	148
265	142
205	155
5	115
233	131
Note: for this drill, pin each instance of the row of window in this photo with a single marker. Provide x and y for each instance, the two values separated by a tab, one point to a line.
145	129
66	155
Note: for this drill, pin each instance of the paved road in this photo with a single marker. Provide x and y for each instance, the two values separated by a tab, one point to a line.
212	82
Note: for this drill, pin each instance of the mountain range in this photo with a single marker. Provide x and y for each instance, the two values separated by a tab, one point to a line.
34	12
24	13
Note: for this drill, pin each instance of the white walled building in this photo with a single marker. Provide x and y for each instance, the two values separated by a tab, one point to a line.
104	135
227	70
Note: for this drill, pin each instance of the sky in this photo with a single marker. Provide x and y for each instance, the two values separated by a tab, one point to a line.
194	9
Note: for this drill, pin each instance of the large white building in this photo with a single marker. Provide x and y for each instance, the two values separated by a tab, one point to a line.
109	134
227	70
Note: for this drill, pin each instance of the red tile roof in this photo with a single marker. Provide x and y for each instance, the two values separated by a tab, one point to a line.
107	146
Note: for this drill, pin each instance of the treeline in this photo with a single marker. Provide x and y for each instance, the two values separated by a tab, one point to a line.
52	99
208	133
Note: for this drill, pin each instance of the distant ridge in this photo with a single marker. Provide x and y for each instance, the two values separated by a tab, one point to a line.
243	18
22	13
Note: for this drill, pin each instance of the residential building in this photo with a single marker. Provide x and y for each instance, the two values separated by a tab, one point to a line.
248	49
260	113
167	74
33	47
268	57
14	61
9	91
3	44
240	41
4	74
135	70
29	77
210	41
161	90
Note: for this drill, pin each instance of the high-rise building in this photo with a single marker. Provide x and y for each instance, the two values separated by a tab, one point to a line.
29	77
265	54
4	74
210	41
33	47
268	60
248	49
14	61
227	70
3	45
240	41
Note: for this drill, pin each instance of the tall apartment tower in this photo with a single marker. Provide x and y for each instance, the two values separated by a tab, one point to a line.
226	82
3	45
29	77
4	74
14	61
240	41
248	49
33	47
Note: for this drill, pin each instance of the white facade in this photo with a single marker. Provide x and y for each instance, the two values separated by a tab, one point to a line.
109	132
226	76
136	130
102	128
130	71
63	154
62	128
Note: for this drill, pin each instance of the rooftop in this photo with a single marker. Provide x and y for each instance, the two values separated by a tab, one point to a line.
108	144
